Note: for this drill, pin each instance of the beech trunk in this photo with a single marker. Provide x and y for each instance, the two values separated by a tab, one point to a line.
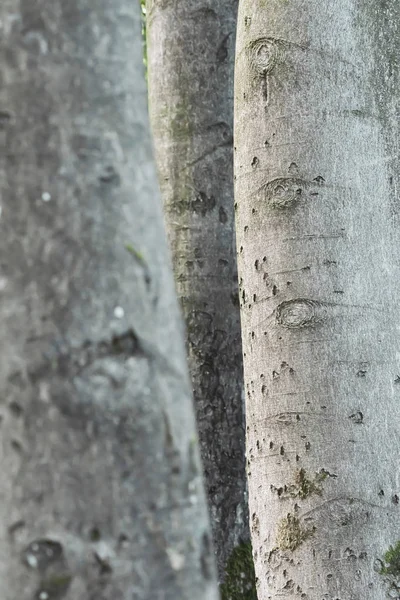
318	217
190	61
101	490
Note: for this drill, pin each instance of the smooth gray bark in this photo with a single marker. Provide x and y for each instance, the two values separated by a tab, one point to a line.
101	493
190	62
317	180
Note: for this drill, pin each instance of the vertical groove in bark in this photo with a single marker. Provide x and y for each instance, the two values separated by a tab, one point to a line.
190	58
317	179
101	491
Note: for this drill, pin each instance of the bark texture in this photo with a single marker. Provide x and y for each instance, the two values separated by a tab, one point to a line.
318	216
190	60
101	491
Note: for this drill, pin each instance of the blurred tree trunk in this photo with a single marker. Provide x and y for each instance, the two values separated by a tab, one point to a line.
318	216
101	493
190	61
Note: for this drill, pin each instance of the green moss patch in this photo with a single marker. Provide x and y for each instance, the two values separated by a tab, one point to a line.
391	562
240	578
390	570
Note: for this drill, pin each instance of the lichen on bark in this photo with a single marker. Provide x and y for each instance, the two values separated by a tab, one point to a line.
291	534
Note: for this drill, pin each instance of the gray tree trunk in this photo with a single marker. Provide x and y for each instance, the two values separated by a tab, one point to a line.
101	491
190	61
318	234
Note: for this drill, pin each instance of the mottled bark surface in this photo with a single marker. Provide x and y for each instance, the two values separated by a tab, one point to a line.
190	61
101	494
317	180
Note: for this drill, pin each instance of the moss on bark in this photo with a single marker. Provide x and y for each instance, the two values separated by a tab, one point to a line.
240	579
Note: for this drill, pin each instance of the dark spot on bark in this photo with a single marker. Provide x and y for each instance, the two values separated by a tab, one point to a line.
123	540
110	175
206	559
381	493
125	343
189	265
361	373
223	217
94	534
320	180
357	417
15	408
222	51
255	162
329	263
5	119
13	528
104	564
202	204
16	379
395	499
235	299
39	554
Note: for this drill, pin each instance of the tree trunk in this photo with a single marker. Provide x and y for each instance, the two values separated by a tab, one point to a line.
101	493
191	59
318	217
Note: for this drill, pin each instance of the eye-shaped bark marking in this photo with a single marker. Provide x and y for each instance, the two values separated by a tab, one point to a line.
298	313
284	192
264	53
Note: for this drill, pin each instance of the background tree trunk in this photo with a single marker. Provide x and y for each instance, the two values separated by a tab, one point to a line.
317	176
190	60
101	493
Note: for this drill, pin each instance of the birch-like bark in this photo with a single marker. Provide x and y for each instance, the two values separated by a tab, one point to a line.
190	60
318	217
101	494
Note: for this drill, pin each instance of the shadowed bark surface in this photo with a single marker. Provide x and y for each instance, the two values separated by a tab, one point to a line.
190	61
